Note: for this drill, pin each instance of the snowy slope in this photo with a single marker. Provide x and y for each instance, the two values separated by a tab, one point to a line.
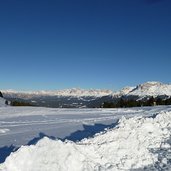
20	125
136	143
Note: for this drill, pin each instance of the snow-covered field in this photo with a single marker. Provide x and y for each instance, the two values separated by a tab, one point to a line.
138	139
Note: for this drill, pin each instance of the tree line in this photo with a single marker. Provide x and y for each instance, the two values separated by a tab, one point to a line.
136	103
19	103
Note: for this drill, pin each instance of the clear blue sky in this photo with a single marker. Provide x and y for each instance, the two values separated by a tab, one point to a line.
57	44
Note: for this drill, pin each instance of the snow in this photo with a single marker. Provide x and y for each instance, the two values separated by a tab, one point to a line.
3	131
25	123
140	139
2	102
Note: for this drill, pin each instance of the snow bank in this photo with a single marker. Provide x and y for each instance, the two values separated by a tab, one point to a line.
129	146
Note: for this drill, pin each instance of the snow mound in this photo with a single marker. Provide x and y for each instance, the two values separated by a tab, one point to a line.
128	146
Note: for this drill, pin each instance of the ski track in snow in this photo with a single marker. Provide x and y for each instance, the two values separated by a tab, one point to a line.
122	148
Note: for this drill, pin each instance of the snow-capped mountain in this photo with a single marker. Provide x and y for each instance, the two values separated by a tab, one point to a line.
60	98
74	92
145	89
151	89
123	92
87	98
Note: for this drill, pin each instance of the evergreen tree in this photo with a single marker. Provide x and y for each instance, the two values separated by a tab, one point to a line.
151	101
6	102
168	101
159	101
121	103
134	103
19	103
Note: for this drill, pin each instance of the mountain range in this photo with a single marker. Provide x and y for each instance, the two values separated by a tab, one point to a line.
77	97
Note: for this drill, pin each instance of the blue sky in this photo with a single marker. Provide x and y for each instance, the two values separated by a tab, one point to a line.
108	44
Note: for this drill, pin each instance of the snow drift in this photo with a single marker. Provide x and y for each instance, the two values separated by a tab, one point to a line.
128	146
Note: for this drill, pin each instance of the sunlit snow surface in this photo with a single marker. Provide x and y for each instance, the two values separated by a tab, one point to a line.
141	142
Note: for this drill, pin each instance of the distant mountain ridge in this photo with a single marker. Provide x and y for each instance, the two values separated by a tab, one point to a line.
77	97
60	98
76	92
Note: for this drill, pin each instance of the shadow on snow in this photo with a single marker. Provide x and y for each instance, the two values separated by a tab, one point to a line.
87	132
5	152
